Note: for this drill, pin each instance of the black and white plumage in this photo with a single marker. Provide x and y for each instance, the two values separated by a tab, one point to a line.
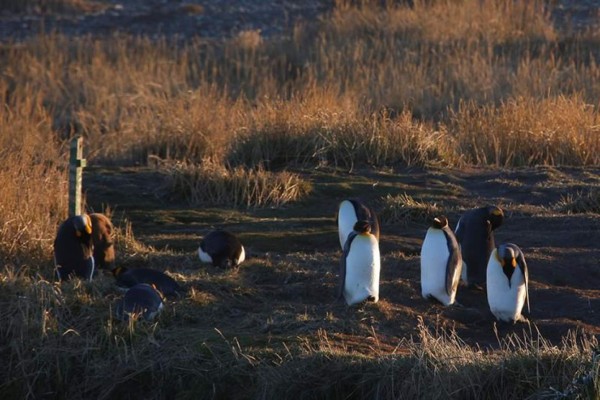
349	212
360	266
142	301
74	249
475	235
222	249
507	282
441	262
127	278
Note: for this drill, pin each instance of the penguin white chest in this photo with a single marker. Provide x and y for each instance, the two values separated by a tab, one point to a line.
505	301
434	262
346	220
363	267
204	256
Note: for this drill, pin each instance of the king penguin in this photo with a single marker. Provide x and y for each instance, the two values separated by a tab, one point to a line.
441	262
141	301
127	278
475	235
360	266
102	237
507	282
349	212
222	249
74	248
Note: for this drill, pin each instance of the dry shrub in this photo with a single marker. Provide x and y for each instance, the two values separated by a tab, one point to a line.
404	209
526	131
212	183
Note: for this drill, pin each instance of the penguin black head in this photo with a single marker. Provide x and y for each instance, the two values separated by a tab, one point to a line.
495	216
439	222
362	227
507	258
83	225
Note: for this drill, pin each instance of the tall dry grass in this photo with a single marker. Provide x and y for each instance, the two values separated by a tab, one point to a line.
33	180
322	92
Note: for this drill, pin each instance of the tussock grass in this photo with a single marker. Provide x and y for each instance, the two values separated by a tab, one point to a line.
213	184
33	179
298	134
370	84
581	202
404	209
525	131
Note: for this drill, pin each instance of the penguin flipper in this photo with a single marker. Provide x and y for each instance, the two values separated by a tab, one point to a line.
523	265
347	245
454	265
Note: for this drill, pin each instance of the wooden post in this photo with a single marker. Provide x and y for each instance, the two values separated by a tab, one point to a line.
76	165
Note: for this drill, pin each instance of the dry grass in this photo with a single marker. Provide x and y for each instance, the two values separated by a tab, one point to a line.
587	201
525	131
51	6
210	183
404	209
370	85
440	83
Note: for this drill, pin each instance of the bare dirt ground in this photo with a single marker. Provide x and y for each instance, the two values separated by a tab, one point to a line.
153	18
286	289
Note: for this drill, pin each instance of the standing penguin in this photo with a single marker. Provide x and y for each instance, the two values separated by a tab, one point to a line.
102	236
127	278
74	248
360	266
141	301
441	262
222	249
475	235
507	282
350	211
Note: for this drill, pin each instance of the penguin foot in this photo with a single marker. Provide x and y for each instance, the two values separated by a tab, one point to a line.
371	298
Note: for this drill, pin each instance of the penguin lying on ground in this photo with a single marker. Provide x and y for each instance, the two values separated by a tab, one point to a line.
73	248
222	249
127	278
475	235
441	262
351	211
507	282
141	301
360	266
102	236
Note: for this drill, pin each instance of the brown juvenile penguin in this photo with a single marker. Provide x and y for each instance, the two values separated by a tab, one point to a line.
73	248
102	236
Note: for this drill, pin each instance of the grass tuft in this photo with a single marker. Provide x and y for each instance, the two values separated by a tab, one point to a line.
213	184
404	209
581	202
